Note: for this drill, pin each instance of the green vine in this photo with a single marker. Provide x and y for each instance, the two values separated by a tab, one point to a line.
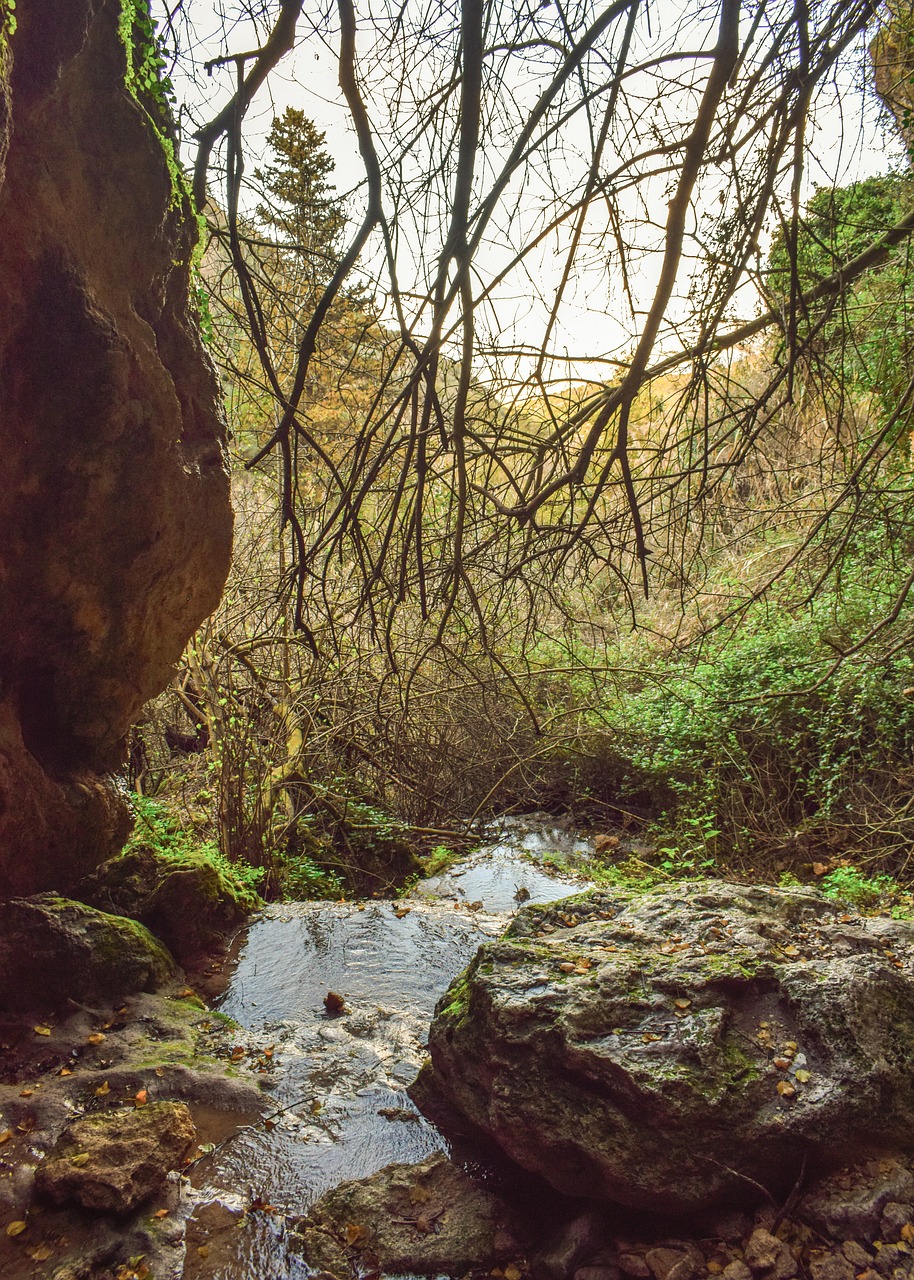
150	86
8	19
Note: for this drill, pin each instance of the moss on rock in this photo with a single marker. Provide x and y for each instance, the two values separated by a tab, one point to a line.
53	948
187	901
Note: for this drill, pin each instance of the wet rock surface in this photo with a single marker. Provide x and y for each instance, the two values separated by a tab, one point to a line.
93	1066
53	949
113	1162
680	1048
427	1219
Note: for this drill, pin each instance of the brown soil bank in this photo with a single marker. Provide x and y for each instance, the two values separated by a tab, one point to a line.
114	507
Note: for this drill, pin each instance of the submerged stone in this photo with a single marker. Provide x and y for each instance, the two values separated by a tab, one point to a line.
681	1048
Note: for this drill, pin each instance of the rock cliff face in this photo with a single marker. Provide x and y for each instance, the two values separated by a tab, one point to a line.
114	502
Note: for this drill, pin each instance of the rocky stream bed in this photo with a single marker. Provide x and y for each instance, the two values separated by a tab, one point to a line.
505	1074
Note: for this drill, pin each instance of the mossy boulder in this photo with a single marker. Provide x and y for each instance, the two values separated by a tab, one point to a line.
187	901
680	1048
112	1162
52	949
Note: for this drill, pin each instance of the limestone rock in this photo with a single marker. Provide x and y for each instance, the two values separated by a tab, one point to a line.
429	1218
578	1242
114	504
664	1050
187	902
849	1202
830	1265
52	948
130	1153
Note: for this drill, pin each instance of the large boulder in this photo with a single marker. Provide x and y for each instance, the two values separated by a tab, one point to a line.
113	1161
114	506
53	949
681	1048
186	901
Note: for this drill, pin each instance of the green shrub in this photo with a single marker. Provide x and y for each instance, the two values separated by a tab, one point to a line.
158	828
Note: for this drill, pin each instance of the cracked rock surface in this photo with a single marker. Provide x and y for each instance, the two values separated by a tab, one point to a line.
680	1048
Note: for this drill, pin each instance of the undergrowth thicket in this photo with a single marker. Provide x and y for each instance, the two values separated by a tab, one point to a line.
755	716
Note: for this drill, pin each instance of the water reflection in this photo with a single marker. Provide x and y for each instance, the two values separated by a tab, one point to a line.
340	1080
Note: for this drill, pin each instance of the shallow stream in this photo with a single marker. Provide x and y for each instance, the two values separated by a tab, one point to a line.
341	1107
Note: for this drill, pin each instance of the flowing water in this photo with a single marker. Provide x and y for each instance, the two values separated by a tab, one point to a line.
340	1102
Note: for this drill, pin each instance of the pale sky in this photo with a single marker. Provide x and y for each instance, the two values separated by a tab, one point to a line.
849	142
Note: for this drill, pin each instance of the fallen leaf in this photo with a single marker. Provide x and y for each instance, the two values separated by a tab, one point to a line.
141	1098
206	1148
40	1253
361	906
238	1053
186	993
203	1251
103	1090
269	1125
16	1228
268	1053
400	912
258	1203
316	1107
160	1071
354	1233
426	1223
334	1002
781	1063
791	950
26	1093
26	1125
65	1071
682	1004
819	868
95	1038
907	1233
804	1076
42	1031
785	1089
566	966
419	1195
512	1272
80	1160
5	1136
160	1213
